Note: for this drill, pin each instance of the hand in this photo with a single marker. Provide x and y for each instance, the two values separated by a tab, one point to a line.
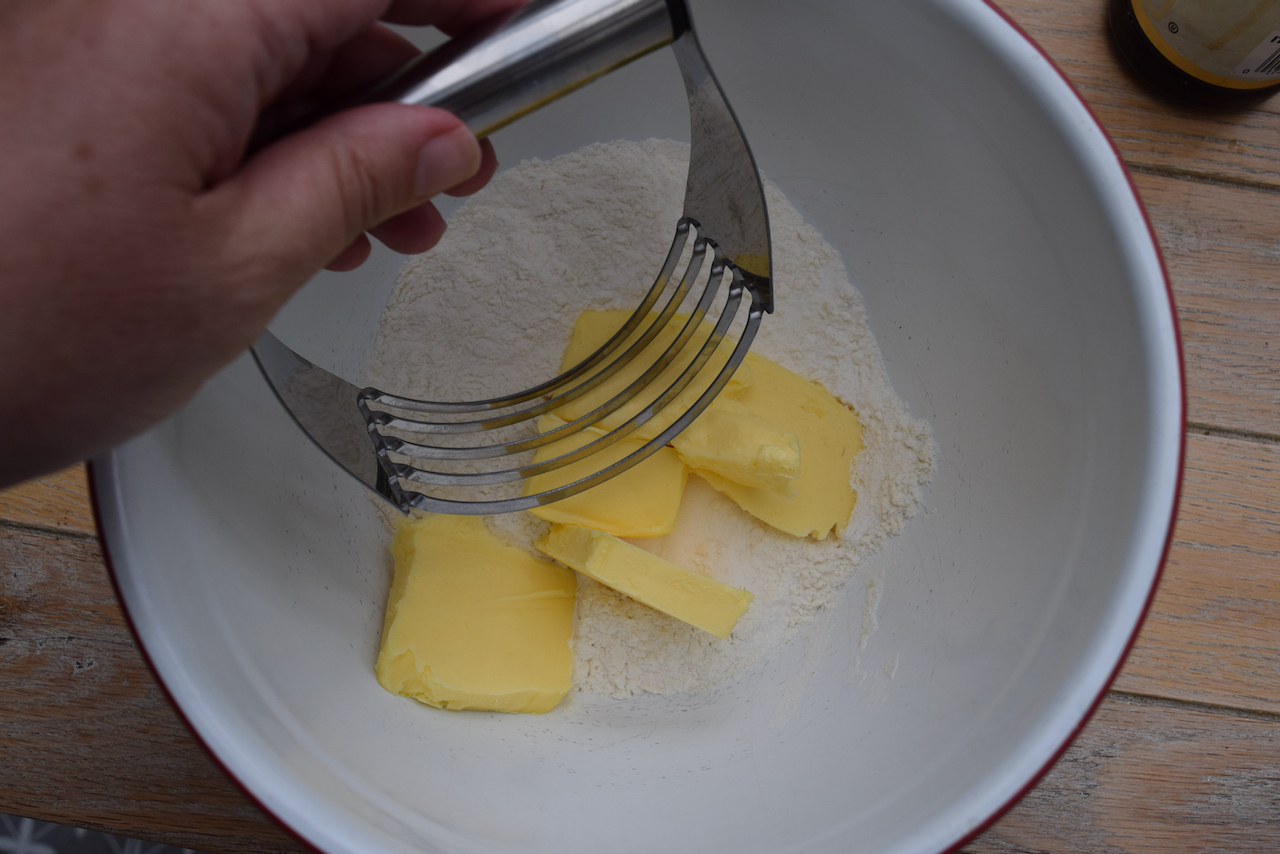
140	251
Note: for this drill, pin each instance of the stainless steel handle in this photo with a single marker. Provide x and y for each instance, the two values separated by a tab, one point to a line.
546	50
541	52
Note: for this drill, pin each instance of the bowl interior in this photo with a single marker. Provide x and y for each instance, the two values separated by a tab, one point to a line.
1016	293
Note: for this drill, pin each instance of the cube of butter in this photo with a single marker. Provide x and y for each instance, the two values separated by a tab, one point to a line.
640	502
658	583
593	328
472	623
739	445
830	438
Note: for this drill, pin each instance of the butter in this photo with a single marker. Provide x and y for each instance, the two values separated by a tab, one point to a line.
593	328
640	502
732	441
472	623
830	438
658	583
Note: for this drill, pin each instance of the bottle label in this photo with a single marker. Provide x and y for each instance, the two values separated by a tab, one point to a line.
1263	62
1230	43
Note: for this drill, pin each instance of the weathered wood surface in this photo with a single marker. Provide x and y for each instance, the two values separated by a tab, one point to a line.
1213	633
86	736
57	501
1183	755
1149	776
1221	245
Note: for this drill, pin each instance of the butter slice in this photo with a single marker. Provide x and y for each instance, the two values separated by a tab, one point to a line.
593	328
732	441
830	438
640	502
472	623
658	583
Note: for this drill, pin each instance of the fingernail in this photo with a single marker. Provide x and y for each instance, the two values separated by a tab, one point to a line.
447	160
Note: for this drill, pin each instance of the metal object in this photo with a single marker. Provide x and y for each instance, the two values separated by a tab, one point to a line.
435	455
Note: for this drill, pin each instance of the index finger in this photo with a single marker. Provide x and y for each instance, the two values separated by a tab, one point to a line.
452	17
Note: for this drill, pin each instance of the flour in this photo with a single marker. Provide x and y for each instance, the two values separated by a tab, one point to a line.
489	310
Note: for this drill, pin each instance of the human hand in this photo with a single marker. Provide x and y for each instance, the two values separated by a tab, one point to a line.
140	251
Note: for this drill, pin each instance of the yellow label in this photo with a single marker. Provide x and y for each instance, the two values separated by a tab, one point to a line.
1230	43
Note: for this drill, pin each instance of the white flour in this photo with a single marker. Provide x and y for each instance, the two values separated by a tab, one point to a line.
489	310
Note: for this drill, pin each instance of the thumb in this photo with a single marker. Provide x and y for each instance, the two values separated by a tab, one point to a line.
302	200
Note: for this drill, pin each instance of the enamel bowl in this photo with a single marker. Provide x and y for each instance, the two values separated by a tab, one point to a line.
1017	293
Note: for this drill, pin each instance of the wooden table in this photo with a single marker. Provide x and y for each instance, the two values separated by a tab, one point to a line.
1184	753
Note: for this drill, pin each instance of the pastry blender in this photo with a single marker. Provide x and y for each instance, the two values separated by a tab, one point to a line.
447	457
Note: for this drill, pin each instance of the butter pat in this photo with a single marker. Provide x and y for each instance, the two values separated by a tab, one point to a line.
658	583
640	502
741	446
472	623
593	328
830	438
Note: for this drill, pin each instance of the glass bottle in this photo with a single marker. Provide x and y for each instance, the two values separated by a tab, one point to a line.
1209	53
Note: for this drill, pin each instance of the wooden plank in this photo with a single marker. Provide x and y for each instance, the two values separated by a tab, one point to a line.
1152	778
87	738
59	501
1221	246
1213	634
1151	133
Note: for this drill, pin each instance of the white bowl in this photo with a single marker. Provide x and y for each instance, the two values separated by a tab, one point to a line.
1017	293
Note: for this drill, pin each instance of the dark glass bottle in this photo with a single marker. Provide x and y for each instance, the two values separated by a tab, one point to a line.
1207	53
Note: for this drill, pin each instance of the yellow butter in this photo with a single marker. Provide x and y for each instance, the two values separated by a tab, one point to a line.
732	441
472	623
830	438
593	328
658	583
640	502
